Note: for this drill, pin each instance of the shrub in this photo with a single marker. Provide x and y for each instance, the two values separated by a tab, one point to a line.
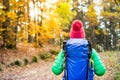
18	63
54	52
11	64
45	56
117	75
99	48
25	61
117	72
1	69
34	59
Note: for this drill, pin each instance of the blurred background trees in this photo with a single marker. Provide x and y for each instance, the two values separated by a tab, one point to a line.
42	22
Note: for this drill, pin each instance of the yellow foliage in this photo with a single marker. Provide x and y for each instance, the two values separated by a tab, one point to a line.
2	19
53	26
65	34
13	34
11	15
42	0
50	29
2	16
21	19
0	37
91	8
118	8
105	33
117	26
2	30
109	14
31	28
12	1
65	13
91	15
97	32
117	2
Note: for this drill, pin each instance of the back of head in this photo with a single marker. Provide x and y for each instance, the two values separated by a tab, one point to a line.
77	30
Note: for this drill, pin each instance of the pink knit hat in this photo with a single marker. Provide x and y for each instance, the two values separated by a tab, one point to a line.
77	30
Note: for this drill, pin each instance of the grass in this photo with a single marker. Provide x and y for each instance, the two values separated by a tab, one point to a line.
117	75
113	63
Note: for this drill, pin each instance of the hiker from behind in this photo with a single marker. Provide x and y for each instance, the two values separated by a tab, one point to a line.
78	59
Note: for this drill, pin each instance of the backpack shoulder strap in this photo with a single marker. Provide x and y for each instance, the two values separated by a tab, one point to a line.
89	56
65	77
64	47
89	49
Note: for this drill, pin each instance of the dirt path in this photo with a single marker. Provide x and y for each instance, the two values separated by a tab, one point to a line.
31	72
42	71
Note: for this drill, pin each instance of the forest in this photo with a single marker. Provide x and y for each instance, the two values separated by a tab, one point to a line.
43	25
48	22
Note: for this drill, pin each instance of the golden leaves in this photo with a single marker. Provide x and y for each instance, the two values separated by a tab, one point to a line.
42	0
65	14
2	15
118	8
91	15
65	34
109	14
52	27
11	15
105	32
117	2
0	37
97	32
2	30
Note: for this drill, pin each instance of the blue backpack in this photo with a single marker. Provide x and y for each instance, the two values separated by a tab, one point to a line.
77	55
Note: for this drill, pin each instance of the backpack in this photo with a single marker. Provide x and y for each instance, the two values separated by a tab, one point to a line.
77	56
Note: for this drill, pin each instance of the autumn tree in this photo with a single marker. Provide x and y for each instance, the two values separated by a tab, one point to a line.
44	21
117	2
66	15
93	22
2	19
8	35
111	20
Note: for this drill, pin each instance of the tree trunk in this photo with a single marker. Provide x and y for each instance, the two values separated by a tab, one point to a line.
30	38
113	34
92	36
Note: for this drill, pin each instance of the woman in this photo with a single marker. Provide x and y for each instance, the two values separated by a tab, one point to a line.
77	66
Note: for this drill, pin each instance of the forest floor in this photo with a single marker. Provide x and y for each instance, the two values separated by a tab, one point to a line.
42	70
